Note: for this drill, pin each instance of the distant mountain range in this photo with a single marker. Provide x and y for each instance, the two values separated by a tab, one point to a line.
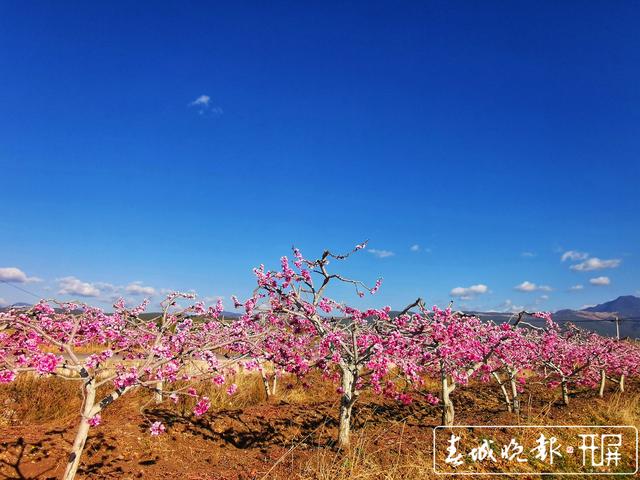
626	307
600	318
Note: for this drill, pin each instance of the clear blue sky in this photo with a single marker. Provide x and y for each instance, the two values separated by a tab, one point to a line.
495	136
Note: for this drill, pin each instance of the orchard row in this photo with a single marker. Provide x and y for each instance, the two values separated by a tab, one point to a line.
291	324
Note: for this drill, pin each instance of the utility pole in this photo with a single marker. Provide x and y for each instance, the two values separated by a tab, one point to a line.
621	381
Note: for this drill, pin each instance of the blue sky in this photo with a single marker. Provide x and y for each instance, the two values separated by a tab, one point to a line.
180	144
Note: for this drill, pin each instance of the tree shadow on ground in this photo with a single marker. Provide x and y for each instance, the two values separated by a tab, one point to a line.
243	431
98	457
22	460
314	426
14	467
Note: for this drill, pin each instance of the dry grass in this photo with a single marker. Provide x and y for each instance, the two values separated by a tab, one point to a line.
368	459
31	400
620	409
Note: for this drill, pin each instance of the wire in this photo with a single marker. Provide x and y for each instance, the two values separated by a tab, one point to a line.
21	289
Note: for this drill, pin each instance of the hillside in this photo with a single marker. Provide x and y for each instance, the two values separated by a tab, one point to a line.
599	318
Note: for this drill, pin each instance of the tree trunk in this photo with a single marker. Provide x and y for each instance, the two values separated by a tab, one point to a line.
448	412
505	394
346	405
83	432
621	383
565	393
158	392
274	383
603	380
515	398
265	382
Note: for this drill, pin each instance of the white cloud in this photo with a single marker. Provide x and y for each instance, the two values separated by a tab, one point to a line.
595	263
600	281
206	107
106	287
527	286
3	302
415	248
466	293
573	255
13	274
74	286
528	254
136	288
202	100
544	297
381	253
576	288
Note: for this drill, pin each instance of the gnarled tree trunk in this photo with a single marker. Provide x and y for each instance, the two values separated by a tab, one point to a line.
448	412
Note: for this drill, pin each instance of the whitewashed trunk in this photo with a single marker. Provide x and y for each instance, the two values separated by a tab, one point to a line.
158	392
565	392
82	433
448	412
515	396
265	383
346	407
603	380
503	389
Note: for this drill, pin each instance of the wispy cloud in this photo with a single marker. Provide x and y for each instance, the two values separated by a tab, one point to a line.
205	106
576	288
573	255
528	254
595	263
527	286
13	274
415	248
381	253
75	286
467	293
600	281
3	302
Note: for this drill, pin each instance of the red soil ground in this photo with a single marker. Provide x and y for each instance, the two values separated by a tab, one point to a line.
279	440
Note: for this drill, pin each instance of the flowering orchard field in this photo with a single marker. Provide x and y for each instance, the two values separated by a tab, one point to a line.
291	328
